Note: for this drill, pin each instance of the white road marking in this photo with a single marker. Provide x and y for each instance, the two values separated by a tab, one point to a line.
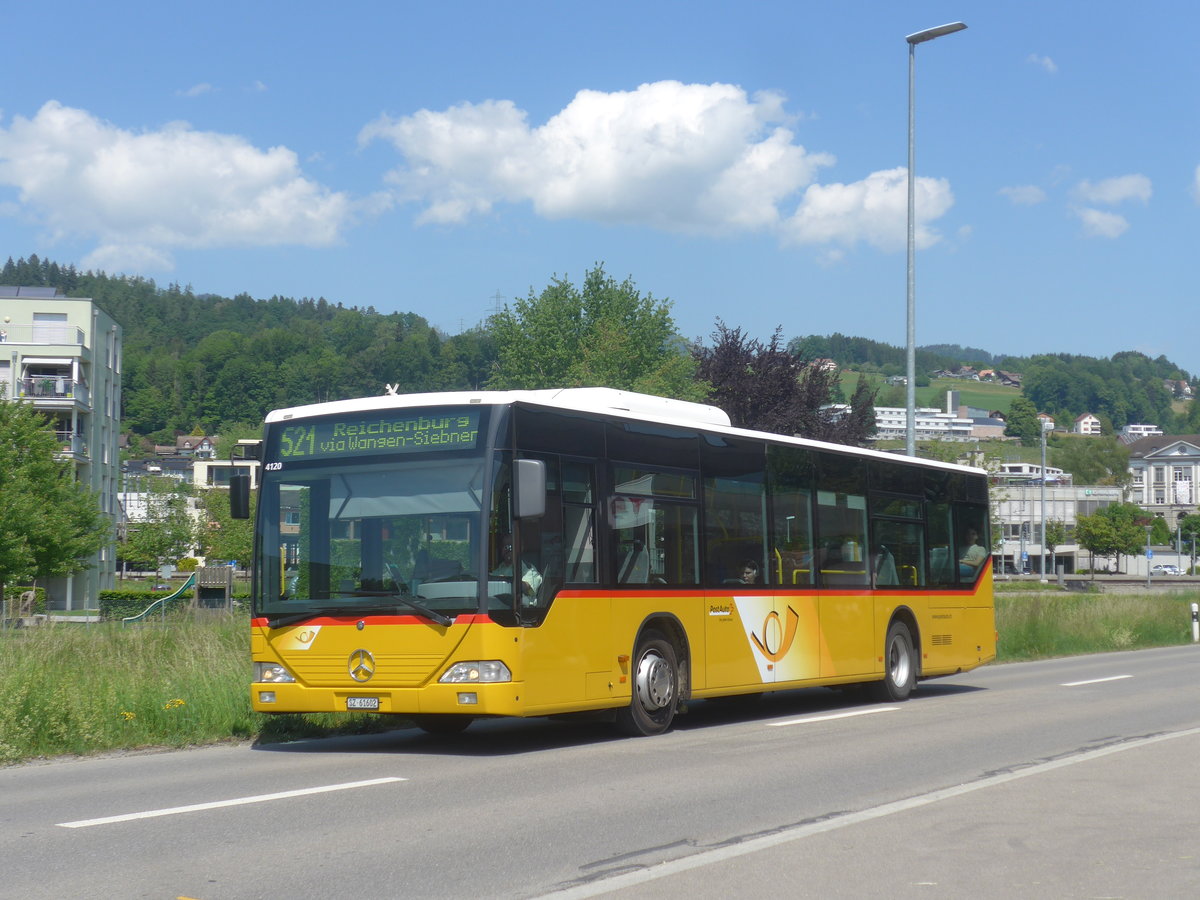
799	832
842	715
218	804
1094	681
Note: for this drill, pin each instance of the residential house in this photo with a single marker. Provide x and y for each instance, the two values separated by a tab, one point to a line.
1086	424
190	445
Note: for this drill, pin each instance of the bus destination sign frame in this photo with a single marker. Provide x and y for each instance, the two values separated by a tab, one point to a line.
372	434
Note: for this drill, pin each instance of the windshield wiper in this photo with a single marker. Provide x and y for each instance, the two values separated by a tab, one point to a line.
424	610
285	619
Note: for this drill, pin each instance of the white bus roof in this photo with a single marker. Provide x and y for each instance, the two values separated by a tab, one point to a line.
600	400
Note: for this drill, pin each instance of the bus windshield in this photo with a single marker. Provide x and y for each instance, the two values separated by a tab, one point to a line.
372	538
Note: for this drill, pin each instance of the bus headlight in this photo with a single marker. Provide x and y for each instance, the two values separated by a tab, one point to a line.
477	672
272	673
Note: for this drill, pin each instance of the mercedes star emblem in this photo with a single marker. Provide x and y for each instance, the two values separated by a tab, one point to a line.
362	665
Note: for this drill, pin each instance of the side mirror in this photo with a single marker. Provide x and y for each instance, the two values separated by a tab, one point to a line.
239	495
529	489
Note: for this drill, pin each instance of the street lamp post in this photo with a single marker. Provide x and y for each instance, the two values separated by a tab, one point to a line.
910	393
1042	555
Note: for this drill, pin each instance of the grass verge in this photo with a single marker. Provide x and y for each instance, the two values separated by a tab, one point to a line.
1053	623
81	689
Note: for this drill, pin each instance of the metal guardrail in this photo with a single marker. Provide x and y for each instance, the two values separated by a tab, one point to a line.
161	602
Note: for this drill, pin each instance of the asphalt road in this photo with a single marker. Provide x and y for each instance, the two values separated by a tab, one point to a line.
1068	778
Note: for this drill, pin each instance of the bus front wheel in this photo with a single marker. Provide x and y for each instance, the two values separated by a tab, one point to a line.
655	688
899	665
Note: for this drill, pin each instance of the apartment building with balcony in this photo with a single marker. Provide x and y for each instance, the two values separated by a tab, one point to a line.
63	355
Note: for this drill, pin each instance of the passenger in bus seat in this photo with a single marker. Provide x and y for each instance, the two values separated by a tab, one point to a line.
750	572
973	557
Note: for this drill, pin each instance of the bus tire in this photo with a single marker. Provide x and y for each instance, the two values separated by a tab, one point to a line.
450	723
655	688
899	666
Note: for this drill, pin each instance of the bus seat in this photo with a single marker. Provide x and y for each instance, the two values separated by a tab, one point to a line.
939	565
885	568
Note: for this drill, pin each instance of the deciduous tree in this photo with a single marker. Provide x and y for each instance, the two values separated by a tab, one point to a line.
766	387
49	523
604	333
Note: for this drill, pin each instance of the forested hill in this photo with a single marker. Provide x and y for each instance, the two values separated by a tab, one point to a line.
203	363
862	354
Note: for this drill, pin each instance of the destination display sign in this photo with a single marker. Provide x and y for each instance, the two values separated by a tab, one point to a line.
369	434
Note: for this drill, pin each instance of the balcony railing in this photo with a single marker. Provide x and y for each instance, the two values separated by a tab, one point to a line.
51	387
72	444
41	334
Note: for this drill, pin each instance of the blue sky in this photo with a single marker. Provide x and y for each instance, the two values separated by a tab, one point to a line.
744	160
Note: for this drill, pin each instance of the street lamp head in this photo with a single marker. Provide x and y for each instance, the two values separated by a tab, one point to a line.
929	34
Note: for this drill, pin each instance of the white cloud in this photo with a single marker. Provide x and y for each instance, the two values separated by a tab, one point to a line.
141	194
1109	192
1115	191
690	158
196	90
1098	223
127	258
874	210
1024	195
1043	62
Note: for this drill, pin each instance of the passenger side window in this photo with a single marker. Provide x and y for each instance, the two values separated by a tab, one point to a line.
842	528
735	518
790	470
653	516
579	522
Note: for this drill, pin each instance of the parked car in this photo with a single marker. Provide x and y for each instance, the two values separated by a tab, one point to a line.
1165	569
1007	568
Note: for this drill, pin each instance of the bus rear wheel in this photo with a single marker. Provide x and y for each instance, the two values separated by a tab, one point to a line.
899	666
655	687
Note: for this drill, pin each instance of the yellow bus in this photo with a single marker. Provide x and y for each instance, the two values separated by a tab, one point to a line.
444	557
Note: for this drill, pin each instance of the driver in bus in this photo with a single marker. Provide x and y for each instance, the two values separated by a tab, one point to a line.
531	579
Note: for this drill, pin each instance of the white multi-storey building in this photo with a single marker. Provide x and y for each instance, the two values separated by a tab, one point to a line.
1019	513
931	424
63	355
1165	470
1131	433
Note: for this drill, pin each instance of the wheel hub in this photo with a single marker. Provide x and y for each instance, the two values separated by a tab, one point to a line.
655	684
